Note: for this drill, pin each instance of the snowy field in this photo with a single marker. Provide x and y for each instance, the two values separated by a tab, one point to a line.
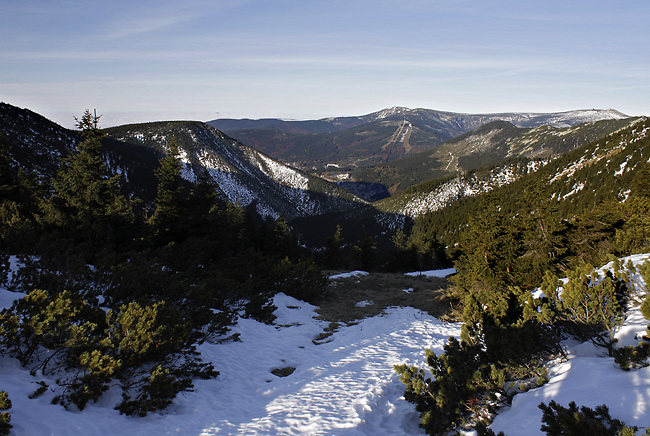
346	386
343	387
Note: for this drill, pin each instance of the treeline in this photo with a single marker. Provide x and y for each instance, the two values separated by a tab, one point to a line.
510	245
121	292
366	245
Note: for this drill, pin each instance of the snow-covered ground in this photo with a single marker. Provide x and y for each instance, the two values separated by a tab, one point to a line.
346	386
343	387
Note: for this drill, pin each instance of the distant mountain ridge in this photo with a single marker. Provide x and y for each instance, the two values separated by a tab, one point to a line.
381	136
491	144
463	121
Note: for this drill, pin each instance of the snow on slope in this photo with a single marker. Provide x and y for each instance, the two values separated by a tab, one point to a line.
242	174
570	118
422	202
590	379
343	387
560	119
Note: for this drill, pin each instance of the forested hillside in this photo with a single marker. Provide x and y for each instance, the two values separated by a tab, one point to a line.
122	293
492	144
434	195
587	207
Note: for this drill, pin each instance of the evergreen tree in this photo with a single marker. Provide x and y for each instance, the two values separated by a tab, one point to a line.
487	260
573	421
50	332
167	218
641	183
633	236
425	247
19	195
405	256
594	305
87	202
202	205
5	417
590	235
280	240
542	234
365	252
457	391
334	249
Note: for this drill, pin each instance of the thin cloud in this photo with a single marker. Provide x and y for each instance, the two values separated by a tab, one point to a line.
160	16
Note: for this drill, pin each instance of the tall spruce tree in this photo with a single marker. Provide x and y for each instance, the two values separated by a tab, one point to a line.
202	202
488	252
87	202
333	257
542	235
365	251
634	234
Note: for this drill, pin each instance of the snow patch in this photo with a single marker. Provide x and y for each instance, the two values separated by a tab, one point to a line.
433	273
348	275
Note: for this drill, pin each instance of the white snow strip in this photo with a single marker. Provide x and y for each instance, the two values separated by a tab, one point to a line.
434	273
348	275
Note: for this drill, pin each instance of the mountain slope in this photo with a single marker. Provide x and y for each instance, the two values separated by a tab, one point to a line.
244	176
491	144
34	140
577	180
381	136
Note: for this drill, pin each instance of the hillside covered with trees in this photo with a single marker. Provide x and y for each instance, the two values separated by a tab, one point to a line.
117	292
123	292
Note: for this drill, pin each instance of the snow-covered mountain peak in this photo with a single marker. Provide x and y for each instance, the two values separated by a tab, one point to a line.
569	118
395	110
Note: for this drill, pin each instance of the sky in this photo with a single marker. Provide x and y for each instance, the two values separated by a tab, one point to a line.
137	61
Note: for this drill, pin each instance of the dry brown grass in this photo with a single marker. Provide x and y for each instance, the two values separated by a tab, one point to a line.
339	303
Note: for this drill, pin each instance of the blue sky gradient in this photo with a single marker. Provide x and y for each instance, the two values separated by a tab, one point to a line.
138	61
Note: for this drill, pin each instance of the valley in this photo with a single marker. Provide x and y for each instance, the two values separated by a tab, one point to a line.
293	281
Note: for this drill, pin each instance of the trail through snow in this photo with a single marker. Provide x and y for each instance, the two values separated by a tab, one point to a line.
343	387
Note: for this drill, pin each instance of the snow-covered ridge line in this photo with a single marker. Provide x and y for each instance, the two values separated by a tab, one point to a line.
243	175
